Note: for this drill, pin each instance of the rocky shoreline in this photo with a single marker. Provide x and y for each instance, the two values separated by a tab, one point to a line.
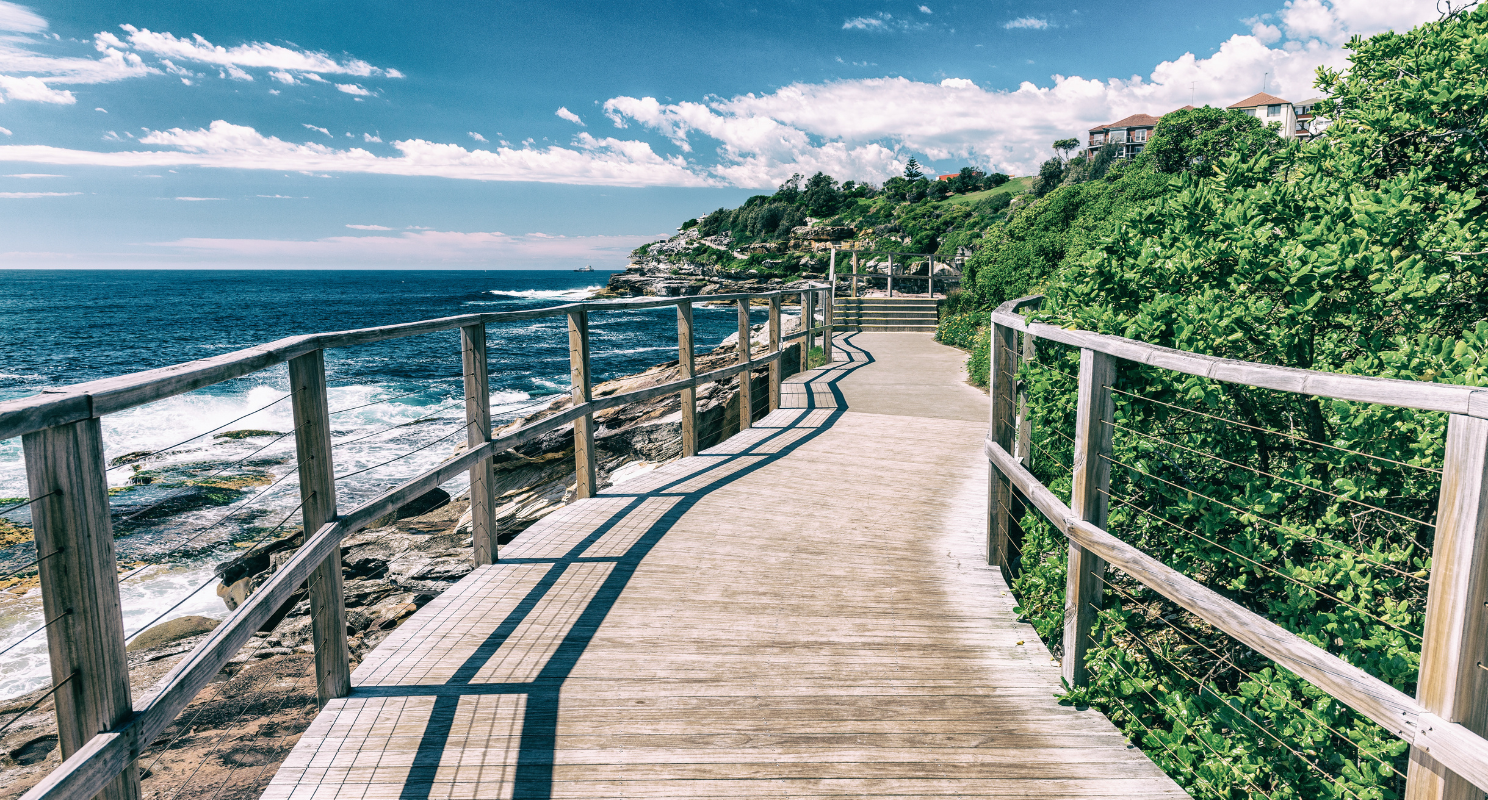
235	733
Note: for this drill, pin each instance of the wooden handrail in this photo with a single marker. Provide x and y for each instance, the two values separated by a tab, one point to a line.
1453	399
1461	750
109	395
1446	756
105	756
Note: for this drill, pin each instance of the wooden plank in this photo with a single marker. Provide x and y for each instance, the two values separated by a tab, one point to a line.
1000	429
746	398
686	368
483	531
1449	743
1095	412
828	302
774	328
585	480
1455	641
80	589
317	472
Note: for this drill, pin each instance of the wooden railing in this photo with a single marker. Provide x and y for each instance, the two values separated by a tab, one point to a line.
1444	723
929	277
102	731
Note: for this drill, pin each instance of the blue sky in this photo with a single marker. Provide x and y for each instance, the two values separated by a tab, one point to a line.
449	135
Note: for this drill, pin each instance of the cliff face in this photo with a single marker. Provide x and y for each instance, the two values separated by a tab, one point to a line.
689	264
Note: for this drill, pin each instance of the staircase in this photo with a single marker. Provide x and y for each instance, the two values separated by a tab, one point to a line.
910	314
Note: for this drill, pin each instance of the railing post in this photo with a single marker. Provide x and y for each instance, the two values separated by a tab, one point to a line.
80	588
854	275
312	420
1024	444
585	482
775	366
685	365
746	394
1094	414
1454	649
930	278
829	318
1000	430
483	531
889	282
808	321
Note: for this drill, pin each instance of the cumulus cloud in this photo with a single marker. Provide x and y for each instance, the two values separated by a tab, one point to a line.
353	88
369	227
590	160
314	128
20	19
33	89
564	113
6	131
1028	23
29	195
283	77
475	136
419	247
926	10
370	138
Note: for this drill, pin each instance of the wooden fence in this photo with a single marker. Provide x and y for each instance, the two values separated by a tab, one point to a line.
102	730
954	278
1445	722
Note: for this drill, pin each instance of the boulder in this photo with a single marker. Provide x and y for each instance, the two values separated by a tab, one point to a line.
170	631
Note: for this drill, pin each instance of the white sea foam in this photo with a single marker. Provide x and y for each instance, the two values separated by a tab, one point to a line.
548	294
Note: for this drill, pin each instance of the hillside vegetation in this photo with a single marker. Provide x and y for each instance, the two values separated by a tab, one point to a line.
1362	252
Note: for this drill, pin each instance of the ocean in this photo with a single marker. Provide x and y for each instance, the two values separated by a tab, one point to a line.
180	512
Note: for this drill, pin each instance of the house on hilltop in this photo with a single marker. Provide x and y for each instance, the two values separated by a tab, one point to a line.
1297	119
1129	135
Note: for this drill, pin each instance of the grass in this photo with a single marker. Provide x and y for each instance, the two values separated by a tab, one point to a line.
815	358
1014	186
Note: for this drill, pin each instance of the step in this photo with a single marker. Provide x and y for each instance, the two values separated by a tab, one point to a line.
885	319
886	328
876	301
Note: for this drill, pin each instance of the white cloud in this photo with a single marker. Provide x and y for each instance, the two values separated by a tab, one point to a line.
369	227
926	10
370	138
20	19
564	113
29	195
1030	23
283	77
313	128
6	131
32	174
104	110
475	136
352	88
958	83
420	247
589	161
253	54
882	22
33	89
197	199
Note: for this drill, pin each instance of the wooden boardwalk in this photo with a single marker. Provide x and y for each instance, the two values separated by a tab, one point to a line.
804	610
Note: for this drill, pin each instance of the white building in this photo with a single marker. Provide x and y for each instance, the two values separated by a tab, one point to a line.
1297	120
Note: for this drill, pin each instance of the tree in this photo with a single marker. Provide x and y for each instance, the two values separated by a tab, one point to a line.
912	170
1197	138
1064	146
821	196
1051	174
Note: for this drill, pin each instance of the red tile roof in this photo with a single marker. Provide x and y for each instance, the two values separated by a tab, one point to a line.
1259	99
1176	110
1133	121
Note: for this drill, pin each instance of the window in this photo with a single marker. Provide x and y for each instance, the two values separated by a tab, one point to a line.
1139	135
1273	111
1118	136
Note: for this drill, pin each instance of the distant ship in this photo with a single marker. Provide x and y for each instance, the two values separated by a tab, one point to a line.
584	269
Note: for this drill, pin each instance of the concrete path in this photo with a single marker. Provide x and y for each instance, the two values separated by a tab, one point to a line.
802	611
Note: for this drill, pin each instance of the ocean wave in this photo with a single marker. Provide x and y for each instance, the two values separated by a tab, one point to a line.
547	294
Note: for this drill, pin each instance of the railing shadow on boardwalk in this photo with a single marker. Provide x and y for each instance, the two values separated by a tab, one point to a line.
735	458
